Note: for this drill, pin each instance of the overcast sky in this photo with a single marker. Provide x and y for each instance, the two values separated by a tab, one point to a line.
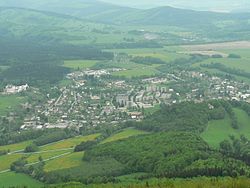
214	5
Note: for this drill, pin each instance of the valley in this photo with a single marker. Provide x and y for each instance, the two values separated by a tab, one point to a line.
98	95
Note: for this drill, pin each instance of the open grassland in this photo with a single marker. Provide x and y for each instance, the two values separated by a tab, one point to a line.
125	65
12	179
65	162
3	68
206	53
65	82
124	134
152	110
241	48
79	64
16	147
166	54
8	103
132	67
220	130
69	143
218	46
137	72
7	160
49	152
34	157
242	63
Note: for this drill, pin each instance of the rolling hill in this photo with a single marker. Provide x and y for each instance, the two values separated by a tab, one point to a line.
99	11
87	9
71	14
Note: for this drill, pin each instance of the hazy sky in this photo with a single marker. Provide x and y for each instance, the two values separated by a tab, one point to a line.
214	5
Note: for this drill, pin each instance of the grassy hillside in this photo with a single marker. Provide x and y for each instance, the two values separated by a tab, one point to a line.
96	10
79	64
49	153
215	26
68	161
123	134
9	103
16	147
44	25
69	143
11	179
219	130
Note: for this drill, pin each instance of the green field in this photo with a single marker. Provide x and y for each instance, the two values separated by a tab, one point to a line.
69	143
68	161
220	130
11	179
75	159
166	54
32	158
137	72
16	147
8	103
152	110
79	64
242	63
7	160
46	152
124	134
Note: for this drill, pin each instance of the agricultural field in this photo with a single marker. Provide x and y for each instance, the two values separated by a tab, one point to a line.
69	143
166	54
241	63
8	103
68	161
16	147
11	179
30	157
124	134
8	160
3	68
137	72
219	46
220	130
224	49
79	64
49	153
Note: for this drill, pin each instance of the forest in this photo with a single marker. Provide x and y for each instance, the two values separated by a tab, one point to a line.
171	149
178	154
38	63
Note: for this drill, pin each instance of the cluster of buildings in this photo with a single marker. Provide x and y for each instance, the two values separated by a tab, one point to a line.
95	73
12	89
113	100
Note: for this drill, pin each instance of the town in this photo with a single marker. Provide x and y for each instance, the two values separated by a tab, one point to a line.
96	98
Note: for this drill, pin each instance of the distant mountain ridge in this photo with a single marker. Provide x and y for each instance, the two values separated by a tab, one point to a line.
86	9
98	11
